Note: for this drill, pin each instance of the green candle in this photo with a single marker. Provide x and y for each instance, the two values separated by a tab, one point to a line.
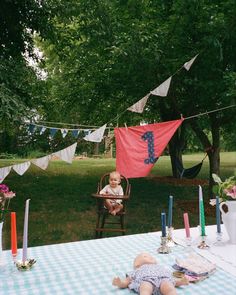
202	215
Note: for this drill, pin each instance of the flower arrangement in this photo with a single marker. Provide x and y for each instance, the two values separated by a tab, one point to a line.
5	196
224	189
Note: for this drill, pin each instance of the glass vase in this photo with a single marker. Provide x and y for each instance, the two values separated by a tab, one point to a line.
2	258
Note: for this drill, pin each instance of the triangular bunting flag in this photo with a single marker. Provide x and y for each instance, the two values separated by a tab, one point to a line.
42	130
97	135
53	131
67	154
162	90
42	162
31	128
21	168
64	132
87	132
138	107
189	63
139	147
4	172
75	132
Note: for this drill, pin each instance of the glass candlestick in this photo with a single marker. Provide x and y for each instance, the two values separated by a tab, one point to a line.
164	249
203	244
188	241
219	241
170	242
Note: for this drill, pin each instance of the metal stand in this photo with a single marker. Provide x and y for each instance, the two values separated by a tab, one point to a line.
27	265
203	244
170	242
164	249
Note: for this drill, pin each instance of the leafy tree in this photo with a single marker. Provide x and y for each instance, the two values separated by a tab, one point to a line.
20	88
105	55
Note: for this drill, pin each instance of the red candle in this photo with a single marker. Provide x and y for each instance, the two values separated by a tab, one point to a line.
13	234
186	225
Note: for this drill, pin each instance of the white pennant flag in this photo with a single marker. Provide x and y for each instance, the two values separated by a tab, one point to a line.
138	107
42	130
64	132
97	135
4	172
67	154
162	89
42	162
189	63
21	168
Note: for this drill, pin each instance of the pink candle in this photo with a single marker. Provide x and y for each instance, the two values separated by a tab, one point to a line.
186	225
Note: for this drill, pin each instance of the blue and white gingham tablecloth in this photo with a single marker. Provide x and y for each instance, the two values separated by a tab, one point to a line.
88	267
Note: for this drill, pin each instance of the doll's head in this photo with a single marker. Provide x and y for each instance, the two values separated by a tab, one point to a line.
144	258
114	179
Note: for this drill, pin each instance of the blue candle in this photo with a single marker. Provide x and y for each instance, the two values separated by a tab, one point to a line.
218	214
170	211
163	224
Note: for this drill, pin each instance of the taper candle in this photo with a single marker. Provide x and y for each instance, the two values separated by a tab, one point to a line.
170	211
163	224
13	235
25	235
186	225
202	214
218	214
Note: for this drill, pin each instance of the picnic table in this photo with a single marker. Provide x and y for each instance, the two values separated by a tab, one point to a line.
88	267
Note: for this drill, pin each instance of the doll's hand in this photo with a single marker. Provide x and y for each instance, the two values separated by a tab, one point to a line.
121	284
117	282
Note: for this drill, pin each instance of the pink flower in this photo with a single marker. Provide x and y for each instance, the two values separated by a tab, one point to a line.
4	188
231	192
9	195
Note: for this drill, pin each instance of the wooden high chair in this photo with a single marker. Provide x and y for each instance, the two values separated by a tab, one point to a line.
103	216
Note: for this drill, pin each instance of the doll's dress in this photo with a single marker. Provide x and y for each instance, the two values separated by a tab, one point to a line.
152	273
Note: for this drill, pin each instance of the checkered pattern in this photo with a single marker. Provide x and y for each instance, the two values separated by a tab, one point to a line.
88	267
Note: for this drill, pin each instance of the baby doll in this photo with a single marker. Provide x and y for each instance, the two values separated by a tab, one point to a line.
113	188
149	278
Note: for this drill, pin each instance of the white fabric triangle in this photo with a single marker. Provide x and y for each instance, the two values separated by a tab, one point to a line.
42	162
189	63
67	154
97	135
138	107
4	172
21	168
162	89
42	130
64	132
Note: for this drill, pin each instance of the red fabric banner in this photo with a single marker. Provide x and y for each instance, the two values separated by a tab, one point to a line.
139	147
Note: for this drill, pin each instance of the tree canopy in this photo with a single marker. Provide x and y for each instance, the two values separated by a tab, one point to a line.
103	56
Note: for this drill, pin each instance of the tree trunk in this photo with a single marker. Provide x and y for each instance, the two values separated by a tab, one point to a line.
175	149
212	150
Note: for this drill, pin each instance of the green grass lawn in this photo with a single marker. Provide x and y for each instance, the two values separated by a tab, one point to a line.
62	210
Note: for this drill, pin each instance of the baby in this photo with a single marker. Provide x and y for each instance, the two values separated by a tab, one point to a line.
113	188
149	278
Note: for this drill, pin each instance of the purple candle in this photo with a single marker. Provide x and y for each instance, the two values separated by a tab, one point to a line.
25	235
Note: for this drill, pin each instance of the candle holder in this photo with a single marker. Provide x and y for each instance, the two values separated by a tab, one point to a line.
170	242
164	249
27	265
203	244
219	241
188	241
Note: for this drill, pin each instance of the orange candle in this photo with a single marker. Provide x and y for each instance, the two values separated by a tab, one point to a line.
13	234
